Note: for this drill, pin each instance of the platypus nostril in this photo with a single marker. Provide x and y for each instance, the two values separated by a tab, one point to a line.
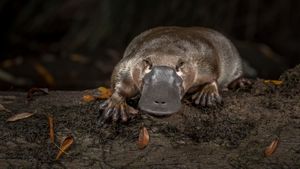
159	102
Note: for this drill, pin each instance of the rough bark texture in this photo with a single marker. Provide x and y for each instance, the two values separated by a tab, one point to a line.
232	135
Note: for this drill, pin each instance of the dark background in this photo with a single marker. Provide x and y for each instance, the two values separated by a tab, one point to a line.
74	44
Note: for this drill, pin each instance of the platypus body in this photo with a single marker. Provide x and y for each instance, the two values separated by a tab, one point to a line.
164	63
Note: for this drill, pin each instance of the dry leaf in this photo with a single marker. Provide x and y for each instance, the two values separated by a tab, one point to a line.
33	90
79	58
2	108
45	74
12	62
51	129
105	93
19	116
271	148
7	63
88	98
275	82
68	141
143	138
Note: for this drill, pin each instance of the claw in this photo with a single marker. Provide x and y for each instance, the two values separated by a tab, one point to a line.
240	83
196	95
104	104
214	99
218	98
203	99
208	95
197	101
124	117
115	110
209	100
116	114
131	110
107	113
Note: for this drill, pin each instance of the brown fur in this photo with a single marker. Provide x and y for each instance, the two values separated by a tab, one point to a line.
207	54
204	59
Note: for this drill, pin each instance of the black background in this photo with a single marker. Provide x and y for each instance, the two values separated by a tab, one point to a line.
52	32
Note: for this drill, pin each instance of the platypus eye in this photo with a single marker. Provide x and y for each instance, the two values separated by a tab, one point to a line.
148	64
179	65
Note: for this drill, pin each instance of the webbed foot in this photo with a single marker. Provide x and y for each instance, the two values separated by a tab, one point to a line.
240	83
208	95
115	109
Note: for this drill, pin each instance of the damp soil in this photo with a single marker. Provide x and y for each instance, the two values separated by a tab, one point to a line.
232	135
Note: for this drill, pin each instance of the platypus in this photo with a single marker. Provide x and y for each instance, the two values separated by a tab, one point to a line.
163	64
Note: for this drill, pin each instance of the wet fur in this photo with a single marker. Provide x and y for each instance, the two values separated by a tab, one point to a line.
204	59
208	54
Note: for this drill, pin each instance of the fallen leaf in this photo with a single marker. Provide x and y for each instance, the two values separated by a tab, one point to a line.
105	93
34	90
275	82
271	148
143	138
79	58
45	74
51	129
7	63
19	116
2	108
88	98
12	62
67	142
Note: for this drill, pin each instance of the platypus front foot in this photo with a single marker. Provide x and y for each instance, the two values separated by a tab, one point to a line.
115	109
208	95
240	83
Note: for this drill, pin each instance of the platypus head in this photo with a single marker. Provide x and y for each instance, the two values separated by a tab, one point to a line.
161	92
162	89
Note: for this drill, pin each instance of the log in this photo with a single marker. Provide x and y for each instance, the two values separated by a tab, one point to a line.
235	134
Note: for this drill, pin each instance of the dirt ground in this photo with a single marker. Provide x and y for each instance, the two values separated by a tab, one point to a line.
232	135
